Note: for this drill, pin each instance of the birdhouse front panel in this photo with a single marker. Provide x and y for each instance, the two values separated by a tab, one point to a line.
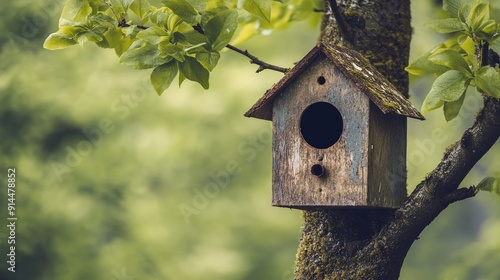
339	133
320	140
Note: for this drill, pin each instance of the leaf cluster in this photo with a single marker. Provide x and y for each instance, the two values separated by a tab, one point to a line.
456	63
145	36
179	38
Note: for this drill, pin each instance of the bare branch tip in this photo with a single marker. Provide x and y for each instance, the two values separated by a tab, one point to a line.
461	194
255	60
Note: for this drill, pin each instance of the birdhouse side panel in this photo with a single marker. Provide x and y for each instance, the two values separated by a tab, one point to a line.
387	159
344	179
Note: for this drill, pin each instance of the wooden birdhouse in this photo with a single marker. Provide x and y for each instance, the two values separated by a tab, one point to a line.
339	133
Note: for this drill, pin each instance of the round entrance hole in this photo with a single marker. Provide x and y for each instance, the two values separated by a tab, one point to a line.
321	125
317	170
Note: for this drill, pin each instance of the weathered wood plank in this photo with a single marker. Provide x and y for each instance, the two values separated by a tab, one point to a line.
346	178
386	159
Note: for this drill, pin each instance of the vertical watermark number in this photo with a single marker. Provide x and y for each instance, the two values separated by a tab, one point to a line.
11	218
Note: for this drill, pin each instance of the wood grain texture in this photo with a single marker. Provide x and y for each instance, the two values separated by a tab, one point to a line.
387	159
346	177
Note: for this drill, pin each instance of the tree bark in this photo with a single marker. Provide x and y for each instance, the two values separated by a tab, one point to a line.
372	244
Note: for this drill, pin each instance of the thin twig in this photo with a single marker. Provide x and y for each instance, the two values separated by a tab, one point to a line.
461	194
123	23
484	51
254	60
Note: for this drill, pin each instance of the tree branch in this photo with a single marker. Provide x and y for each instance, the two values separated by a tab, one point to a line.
439	189
344	28
123	23
461	194
493	58
254	60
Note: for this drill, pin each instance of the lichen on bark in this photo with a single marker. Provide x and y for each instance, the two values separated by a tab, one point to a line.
378	29
345	243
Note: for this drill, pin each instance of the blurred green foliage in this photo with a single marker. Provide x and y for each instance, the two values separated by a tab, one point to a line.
104	166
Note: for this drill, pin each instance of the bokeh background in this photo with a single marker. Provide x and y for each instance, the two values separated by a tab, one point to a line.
116	183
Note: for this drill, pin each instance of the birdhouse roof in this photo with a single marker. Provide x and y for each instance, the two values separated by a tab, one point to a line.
356	68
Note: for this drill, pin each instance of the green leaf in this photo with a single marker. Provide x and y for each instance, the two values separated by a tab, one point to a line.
451	109
208	59
220	29
103	21
446	88
173	21
214	4
199	5
98	6
72	30
490	184
488	80
194	71
451	85
462	38
140	9
123	46
163	75
184	10
117	40
489	27
258	8
496	44
193	37
167	49
57	41
153	35
114	37
88	37
69	23
464	12
431	102
142	55
488	31
447	25
160	17
479	14
452	7
76	10
452	60
422	65
103	43
126	3
120	7
182	78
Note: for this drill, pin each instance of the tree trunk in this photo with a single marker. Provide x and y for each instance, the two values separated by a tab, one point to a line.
334	242
372	244
334	245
